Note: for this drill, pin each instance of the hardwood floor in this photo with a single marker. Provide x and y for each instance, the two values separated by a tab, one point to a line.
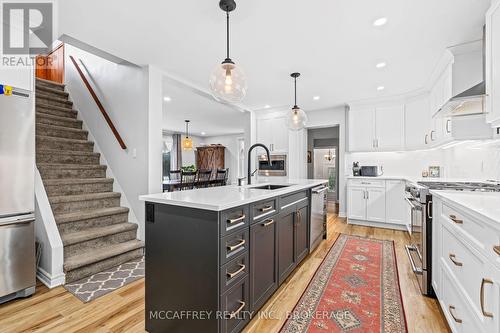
56	310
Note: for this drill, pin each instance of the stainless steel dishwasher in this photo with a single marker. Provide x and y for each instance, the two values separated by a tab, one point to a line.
318	216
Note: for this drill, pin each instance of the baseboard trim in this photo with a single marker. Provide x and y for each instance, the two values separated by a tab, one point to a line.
342	214
383	225
49	280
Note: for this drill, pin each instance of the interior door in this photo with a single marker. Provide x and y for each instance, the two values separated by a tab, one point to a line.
356	203
375	204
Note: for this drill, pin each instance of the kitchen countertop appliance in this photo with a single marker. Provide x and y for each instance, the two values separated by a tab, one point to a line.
419	200
17	194
371	171
318	216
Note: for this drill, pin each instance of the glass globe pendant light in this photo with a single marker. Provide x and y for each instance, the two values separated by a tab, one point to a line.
228	82
187	142
297	118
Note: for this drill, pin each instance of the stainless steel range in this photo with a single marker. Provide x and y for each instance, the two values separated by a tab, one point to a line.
419	201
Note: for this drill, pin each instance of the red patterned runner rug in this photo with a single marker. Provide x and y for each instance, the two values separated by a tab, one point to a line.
355	289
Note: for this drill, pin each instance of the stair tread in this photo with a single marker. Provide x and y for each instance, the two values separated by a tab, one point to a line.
86	215
59	118
66	152
67	181
54	107
46	89
55	99
83	197
72	166
62	128
96	255
96	232
50	82
55	138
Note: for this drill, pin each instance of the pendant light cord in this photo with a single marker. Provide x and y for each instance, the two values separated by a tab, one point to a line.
295	79
227	34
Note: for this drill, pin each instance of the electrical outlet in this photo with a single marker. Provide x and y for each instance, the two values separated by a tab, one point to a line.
134	153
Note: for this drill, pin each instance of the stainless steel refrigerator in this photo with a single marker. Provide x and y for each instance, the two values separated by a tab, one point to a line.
17	195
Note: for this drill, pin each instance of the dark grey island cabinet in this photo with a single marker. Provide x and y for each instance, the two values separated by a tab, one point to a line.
211	271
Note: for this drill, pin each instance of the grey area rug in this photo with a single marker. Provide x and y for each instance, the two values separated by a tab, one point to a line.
102	283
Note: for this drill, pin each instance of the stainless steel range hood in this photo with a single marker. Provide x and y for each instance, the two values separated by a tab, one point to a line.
468	80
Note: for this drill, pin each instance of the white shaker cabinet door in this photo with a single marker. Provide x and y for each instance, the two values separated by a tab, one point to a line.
280	134
375	204
395	202
493	63
389	128
356	197
361	129
417	122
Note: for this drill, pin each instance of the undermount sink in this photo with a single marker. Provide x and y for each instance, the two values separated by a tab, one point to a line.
270	187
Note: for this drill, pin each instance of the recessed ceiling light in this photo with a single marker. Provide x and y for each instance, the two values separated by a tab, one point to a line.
380	22
381	65
267	106
167	99
380	88
203	133
316	98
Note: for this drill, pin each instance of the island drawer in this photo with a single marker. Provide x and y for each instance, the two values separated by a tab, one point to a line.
233	271
263	209
233	245
234	219
235	307
291	199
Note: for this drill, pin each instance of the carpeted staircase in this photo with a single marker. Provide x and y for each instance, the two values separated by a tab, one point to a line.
94	228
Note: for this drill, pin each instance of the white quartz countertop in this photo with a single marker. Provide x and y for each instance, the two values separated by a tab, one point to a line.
419	179
225	197
484	204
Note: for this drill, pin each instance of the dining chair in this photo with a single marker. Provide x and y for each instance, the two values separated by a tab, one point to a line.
175	174
221	177
188	179
204	177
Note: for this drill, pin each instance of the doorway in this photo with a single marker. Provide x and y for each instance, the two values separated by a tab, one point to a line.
325	167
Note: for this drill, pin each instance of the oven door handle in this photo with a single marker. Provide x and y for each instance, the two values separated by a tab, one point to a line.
428	208
411	203
413	266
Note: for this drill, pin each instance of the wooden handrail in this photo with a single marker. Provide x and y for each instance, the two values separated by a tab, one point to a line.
99	105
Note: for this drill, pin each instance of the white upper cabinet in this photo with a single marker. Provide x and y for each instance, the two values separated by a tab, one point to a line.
273	133
493	64
417	122
389	128
361	129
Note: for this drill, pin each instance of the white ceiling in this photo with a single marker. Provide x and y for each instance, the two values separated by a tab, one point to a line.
331	42
206	115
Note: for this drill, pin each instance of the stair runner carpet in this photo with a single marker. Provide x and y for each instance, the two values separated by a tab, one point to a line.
93	226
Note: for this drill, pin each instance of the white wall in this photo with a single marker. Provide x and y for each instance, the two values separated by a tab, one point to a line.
231	153
124	91
189	156
328	118
469	160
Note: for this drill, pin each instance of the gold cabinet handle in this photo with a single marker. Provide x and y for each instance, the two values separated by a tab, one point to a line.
235	313
268	223
266	208
234	247
453	260
232	275
238	219
483	282
457	221
496	249
452	308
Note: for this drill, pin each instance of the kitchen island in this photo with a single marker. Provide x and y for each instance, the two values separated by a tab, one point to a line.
214	256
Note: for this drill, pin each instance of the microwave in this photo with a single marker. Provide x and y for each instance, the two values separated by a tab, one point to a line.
277	167
371	171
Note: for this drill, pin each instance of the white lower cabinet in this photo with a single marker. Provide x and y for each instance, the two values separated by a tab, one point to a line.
376	201
466	279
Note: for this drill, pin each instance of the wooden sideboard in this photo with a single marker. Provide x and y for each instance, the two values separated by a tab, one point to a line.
210	157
